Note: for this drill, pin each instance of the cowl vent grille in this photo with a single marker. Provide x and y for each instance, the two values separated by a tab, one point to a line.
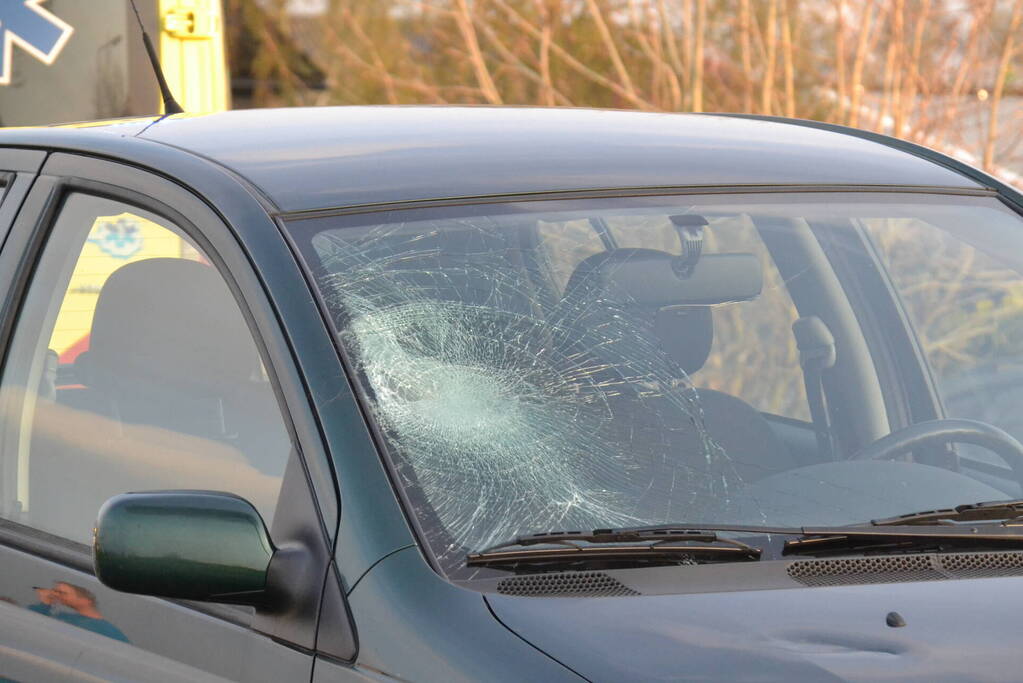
901	568
565	585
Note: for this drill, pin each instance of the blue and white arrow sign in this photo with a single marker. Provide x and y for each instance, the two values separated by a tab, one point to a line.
34	29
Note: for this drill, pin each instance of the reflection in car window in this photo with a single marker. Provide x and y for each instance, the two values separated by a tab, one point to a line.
75	605
131	369
607	363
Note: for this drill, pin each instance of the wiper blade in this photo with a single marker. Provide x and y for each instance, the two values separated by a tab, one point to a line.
973	512
916	532
910	537
659	544
683	554
657	532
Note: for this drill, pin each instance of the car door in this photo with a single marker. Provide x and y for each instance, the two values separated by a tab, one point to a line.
132	362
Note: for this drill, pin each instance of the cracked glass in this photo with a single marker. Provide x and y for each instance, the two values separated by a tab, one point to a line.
571	365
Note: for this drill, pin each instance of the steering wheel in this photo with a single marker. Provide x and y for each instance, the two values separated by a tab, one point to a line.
935	432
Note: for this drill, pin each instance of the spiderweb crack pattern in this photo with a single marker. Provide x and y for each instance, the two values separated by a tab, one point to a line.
509	408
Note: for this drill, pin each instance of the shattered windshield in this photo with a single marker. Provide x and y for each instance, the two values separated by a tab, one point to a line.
600	363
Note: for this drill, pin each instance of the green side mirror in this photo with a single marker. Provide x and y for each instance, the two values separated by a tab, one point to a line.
192	545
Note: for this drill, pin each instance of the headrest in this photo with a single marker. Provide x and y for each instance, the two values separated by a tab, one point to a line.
167	323
677	306
685	336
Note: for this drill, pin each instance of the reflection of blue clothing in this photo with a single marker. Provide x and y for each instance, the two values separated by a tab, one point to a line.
101	626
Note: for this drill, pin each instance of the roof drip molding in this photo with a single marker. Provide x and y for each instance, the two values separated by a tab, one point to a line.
978	176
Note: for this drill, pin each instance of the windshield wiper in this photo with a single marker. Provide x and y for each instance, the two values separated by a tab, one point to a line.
640	544
888	538
701	544
995	510
927	530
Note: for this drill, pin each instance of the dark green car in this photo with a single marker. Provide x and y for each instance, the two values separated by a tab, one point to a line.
446	394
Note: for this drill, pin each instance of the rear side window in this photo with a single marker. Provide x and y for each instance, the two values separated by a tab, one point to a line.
132	368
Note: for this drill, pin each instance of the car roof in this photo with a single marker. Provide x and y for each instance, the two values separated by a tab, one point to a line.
314	158
306	158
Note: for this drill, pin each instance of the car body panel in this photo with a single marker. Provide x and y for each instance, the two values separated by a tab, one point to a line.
408	630
835	633
159	632
327	157
70	655
1006	191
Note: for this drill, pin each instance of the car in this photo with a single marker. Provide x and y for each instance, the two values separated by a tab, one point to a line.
509	394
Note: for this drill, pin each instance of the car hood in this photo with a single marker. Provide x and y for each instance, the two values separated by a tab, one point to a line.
954	630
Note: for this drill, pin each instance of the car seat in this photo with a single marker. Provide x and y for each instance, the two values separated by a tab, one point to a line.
169	349
683	334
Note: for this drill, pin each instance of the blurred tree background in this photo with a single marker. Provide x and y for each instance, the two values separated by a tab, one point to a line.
945	73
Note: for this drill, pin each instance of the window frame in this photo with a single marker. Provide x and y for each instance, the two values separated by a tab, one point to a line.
18	169
42	306
295	226
67	173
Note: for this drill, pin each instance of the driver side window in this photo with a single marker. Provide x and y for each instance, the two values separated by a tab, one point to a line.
131	368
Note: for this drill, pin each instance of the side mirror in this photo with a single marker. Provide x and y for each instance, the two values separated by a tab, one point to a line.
191	545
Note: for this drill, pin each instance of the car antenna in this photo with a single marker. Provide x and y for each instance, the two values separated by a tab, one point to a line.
170	105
